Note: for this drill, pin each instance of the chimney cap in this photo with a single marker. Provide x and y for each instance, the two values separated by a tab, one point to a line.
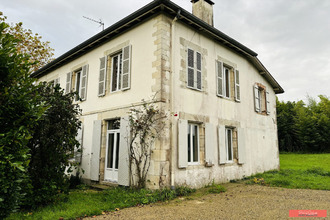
208	1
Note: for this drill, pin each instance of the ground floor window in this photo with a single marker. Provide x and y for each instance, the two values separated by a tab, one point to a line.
112	151
193	143
229	144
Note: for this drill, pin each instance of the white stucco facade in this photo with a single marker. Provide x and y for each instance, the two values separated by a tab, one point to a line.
159	64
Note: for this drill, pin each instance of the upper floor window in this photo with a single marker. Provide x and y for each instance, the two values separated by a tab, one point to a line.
77	81
194	76
261	99
116	72
119	66
228	82
55	82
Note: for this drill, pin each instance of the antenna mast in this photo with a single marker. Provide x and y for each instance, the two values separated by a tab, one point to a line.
99	22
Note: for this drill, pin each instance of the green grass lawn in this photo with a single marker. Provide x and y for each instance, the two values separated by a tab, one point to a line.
298	171
81	203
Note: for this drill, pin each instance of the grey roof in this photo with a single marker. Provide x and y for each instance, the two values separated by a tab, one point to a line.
151	9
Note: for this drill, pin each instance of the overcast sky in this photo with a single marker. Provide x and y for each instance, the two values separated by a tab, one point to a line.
291	37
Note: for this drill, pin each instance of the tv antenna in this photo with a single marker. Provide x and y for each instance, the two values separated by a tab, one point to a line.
99	22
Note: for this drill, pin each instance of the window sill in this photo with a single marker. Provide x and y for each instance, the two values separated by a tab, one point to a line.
193	164
192	88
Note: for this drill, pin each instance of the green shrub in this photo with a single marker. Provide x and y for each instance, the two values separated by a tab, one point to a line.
184	191
53	143
19	114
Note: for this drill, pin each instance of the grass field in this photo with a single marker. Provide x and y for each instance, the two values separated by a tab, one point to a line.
299	171
87	202
307	171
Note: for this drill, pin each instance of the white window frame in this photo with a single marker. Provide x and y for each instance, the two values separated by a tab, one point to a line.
261	100
119	75
224	82
195	70
77	84
191	127
229	130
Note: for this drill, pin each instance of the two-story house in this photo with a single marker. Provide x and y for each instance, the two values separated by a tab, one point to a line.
224	126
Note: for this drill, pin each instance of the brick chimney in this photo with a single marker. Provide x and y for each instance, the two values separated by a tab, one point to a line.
203	9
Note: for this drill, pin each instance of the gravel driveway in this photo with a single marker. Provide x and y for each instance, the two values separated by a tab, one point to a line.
239	202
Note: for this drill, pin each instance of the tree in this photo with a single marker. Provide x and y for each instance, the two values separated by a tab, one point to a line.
146	123
40	52
304	128
38	126
19	114
52	145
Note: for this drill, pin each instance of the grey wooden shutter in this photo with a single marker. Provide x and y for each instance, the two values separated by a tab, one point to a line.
183	144
209	143
267	103
126	68
222	144
241	146
68	83
219	69
102	76
199	70
256	98
124	145
190	75
237	87
79	138
56	81
83	84
95	154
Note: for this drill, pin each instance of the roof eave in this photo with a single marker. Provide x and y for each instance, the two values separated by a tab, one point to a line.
145	12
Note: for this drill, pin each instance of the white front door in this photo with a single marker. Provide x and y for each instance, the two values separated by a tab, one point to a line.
112	155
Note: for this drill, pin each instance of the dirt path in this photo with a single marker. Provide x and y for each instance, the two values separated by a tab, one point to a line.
239	202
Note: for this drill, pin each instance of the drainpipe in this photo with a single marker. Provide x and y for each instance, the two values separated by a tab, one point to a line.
172	100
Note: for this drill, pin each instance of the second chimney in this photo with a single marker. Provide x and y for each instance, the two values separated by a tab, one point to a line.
203	9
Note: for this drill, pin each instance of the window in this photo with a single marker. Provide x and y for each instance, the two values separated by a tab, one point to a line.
227	82
229	144
194	76
261	99
119	65
193	144
116	72
77	84
112	151
77	81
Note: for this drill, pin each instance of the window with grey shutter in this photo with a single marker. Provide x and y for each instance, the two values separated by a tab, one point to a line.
95	150
78	151
191	68
256	98
183	143
56	81
219	68
210	141
199	70
68	83
123	167
126	71
222	144
102	76
83	84
237	87
267	103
